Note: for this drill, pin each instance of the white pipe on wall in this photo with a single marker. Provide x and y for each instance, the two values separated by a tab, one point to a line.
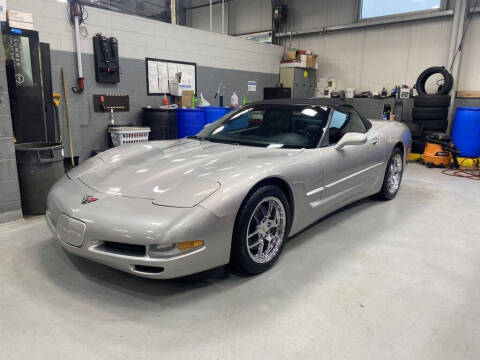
79	50
173	11
211	28
453	35
223	16
454	56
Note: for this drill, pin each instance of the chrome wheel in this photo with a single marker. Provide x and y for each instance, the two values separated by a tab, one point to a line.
394	173
266	230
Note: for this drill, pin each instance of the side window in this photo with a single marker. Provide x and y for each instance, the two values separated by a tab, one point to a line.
344	121
355	123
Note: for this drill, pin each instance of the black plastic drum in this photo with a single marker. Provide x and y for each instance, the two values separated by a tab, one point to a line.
162	123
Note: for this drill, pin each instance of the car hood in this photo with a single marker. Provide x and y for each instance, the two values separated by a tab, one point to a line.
179	173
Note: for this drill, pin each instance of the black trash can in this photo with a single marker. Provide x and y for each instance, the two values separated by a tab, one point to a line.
162	122
39	166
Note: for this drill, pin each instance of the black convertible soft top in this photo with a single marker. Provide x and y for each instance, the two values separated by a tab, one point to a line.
313	102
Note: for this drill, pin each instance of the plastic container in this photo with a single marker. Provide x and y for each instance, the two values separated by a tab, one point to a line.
162	122
122	135
190	121
239	123
213	113
466	131
39	166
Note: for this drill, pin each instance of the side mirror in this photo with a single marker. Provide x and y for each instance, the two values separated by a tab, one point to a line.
351	139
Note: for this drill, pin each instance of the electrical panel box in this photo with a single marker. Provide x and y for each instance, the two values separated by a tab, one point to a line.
105	53
302	81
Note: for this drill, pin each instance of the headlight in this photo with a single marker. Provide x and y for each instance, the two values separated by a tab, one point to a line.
169	250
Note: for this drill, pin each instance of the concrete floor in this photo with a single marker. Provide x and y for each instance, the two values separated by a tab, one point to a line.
377	280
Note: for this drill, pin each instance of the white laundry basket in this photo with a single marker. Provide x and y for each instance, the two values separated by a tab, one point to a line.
122	135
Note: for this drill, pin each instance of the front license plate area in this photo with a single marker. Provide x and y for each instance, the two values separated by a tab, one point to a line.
70	231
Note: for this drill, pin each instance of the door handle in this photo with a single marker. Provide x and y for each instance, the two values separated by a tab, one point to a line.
375	141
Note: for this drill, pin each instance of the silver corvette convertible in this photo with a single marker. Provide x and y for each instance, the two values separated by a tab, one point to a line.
232	194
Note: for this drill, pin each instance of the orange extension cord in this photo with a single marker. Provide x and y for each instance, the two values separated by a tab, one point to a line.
472	174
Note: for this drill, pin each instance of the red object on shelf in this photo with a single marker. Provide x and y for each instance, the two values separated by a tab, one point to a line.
165	100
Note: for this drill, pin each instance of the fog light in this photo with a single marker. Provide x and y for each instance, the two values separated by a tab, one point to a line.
186	245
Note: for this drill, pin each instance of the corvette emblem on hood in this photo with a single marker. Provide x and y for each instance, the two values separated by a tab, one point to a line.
87	199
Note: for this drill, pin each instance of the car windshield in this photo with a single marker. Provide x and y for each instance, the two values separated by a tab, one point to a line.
267	125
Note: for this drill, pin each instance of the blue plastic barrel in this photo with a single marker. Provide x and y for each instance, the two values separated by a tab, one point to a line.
466	131
189	121
213	113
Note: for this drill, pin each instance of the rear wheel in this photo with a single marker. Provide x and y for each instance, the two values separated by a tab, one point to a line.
393	175
261	230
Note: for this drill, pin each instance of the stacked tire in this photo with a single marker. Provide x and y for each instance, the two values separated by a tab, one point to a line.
430	111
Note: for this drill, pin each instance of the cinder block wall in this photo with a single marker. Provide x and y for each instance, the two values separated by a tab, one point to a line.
10	207
218	57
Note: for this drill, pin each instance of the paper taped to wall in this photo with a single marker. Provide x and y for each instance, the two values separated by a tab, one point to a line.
153	79
252	85
162	73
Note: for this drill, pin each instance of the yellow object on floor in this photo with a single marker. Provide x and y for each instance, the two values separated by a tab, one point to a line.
467	162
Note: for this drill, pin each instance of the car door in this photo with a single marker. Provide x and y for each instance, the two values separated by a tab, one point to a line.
354	169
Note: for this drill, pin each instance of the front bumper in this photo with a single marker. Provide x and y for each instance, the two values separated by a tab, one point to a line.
137	222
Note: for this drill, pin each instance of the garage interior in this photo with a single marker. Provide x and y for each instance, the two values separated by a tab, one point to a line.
375	279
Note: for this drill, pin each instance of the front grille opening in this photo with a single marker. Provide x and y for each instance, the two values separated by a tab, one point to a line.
148	269
124	249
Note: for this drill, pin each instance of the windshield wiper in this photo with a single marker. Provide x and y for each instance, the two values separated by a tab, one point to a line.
195	137
224	141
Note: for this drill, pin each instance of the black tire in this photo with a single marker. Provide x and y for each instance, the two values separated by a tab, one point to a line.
420	113
434	125
240	260
418	146
434	133
432	101
386	192
416	129
444	89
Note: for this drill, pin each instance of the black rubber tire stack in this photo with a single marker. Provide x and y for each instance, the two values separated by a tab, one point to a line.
430	111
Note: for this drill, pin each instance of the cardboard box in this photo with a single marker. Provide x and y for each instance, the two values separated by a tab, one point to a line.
174	89
468	94
311	61
303	61
20	25
185	101
291	54
20	16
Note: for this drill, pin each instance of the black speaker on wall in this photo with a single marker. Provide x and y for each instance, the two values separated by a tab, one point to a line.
105	53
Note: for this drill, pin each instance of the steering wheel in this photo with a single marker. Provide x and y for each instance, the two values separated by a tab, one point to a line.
305	133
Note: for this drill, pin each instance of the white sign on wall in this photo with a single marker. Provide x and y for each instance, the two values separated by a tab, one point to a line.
252	85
